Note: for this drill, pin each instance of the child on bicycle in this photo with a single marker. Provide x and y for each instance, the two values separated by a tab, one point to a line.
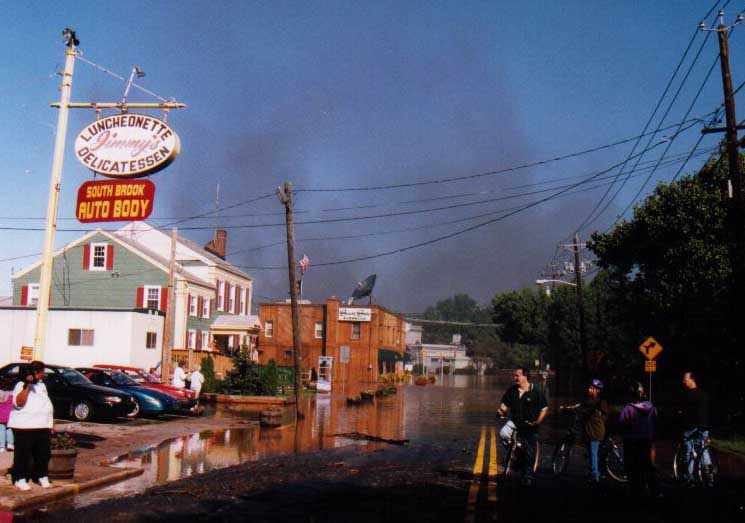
590	423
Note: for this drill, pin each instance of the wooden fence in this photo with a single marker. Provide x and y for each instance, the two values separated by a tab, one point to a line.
193	359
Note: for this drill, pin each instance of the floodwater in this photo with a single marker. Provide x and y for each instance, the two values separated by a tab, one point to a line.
445	414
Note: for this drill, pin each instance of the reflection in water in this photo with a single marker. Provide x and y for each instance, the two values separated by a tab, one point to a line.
438	414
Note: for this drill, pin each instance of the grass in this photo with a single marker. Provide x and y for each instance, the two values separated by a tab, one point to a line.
735	443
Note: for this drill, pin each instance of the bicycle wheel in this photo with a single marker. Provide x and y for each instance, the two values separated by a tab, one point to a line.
614	464
560	461
536	464
680	465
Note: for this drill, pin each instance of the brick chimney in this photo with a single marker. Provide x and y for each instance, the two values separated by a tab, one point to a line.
218	244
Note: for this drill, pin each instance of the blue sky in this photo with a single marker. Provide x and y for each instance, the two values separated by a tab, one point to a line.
357	93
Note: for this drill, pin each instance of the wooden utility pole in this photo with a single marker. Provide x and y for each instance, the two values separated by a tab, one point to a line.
284	193
577	246
47	259
736	203
165	364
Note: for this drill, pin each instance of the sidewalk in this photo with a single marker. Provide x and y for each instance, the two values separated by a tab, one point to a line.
109	440
86	477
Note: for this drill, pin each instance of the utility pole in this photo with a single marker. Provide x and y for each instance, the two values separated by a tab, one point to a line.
165	364
47	260
576	248
735	210
284	193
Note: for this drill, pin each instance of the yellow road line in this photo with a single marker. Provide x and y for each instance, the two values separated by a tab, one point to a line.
493	468
478	469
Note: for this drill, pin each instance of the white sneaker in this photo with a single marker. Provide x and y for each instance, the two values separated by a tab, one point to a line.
2	449
11	447
22	484
44	482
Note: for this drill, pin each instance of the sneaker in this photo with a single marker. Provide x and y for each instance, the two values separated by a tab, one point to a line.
44	482
22	484
2	449
11	447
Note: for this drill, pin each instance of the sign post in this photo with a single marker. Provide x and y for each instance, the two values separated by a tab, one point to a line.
651	349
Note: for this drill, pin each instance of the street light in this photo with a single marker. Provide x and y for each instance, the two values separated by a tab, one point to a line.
548	287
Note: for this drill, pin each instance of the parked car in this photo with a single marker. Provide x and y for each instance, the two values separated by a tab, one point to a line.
149	402
73	395
186	398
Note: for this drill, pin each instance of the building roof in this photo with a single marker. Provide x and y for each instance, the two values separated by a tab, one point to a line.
180	271
138	229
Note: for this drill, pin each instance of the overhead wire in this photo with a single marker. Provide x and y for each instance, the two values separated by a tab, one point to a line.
594	213
456	233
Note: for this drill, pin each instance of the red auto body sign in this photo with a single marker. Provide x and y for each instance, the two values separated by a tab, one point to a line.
115	200
127	146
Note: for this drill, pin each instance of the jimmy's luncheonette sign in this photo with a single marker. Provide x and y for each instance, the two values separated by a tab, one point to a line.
127	145
354	314
115	200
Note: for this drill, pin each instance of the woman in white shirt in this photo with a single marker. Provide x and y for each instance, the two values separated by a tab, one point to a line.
32	420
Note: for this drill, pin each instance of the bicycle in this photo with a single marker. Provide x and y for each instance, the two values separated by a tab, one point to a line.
517	453
610	456
699	475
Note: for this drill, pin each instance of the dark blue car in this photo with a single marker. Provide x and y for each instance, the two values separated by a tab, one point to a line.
149	402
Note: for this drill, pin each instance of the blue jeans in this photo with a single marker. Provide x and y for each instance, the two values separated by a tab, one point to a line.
6	436
593	449
695	438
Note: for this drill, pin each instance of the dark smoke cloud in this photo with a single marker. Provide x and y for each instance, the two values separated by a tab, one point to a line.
409	102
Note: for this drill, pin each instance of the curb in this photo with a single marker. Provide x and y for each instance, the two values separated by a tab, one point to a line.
247	400
69	489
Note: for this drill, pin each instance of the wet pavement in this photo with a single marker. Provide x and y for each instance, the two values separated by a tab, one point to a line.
309	473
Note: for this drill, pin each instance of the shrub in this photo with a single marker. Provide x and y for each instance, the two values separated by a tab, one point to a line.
269	379
62	441
208	371
421	380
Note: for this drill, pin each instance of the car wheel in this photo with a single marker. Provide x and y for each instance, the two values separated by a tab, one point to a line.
135	410
82	411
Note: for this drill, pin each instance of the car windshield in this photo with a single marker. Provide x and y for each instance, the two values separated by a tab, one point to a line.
122	379
74	377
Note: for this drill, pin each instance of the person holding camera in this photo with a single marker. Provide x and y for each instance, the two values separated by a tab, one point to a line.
32	420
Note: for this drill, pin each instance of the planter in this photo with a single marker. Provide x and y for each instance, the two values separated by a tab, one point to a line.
62	463
271	418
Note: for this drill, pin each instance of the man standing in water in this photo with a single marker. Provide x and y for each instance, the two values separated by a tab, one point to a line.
527	408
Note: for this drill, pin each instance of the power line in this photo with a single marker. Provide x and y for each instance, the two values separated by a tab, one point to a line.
592	216
486	173
459	232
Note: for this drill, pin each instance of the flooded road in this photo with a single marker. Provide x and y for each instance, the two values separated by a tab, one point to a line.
448	416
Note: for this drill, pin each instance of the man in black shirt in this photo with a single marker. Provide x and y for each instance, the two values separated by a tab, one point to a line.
696	425
527	408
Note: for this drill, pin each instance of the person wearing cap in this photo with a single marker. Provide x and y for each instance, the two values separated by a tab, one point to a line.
592	414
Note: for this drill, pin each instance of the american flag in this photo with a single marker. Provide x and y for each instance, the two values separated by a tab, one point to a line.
304	264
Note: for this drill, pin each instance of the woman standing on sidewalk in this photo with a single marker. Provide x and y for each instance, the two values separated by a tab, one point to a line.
31	420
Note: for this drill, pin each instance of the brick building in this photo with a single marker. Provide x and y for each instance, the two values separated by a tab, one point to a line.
363	341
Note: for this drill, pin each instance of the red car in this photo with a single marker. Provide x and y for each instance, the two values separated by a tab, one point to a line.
187	398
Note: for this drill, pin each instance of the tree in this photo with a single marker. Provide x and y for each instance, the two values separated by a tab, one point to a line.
460	307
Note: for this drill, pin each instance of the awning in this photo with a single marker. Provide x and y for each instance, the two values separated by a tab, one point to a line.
389	356
230	323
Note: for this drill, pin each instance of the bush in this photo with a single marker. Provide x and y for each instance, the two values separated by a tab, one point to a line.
208	371
62	441
269	379
421	380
